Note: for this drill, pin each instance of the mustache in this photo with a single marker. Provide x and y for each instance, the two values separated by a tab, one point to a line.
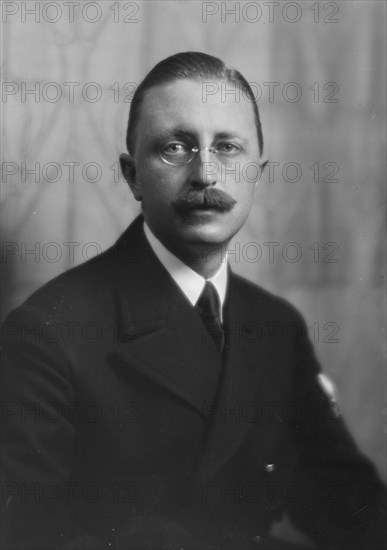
207	198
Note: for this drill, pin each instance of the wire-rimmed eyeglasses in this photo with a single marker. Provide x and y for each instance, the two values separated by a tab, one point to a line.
178	154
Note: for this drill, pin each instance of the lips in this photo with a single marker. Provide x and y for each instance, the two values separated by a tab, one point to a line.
204	204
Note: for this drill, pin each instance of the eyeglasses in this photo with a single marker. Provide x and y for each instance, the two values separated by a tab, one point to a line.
179	154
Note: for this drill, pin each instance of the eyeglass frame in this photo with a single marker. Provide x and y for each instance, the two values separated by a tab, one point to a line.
195	150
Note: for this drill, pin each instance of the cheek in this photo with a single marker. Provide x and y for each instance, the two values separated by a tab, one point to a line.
242	184
244	193
159	191
161	181
152	182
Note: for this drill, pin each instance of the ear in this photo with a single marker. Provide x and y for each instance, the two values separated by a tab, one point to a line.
129	172
262	165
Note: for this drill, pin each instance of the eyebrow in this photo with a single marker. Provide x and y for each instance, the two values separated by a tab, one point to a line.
230	135
179	132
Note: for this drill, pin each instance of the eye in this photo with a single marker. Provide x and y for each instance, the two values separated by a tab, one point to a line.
175	148
229	148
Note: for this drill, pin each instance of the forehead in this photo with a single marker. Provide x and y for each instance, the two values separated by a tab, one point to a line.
197	107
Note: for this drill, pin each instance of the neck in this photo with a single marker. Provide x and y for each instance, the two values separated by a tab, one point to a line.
204	258
205	263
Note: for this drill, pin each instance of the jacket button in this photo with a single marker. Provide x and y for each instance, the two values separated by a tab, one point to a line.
257	539
270	467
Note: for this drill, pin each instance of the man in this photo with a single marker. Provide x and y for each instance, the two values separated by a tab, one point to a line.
141	410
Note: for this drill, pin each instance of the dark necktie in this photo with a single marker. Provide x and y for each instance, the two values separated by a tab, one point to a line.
208	307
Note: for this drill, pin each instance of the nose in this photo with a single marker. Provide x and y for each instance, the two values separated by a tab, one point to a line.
205	169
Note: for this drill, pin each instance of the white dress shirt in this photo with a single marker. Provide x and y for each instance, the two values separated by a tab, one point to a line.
190	282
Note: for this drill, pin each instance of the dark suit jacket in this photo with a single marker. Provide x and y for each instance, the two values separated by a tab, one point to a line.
125	428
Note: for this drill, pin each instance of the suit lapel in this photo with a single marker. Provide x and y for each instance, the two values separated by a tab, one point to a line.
161	335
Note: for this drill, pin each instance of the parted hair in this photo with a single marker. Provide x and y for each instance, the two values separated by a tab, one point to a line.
188	65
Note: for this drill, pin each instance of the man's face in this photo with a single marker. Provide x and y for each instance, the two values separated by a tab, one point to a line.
202	202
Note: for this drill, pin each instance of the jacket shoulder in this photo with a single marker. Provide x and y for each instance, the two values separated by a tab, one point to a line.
86	289
264	301
73	288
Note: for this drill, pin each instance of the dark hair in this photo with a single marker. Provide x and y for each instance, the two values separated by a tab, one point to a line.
194	66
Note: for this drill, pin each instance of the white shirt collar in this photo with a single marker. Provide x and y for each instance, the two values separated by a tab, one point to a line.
190	282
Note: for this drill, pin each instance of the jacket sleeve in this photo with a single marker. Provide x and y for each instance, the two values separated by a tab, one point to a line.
38	433
346	504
